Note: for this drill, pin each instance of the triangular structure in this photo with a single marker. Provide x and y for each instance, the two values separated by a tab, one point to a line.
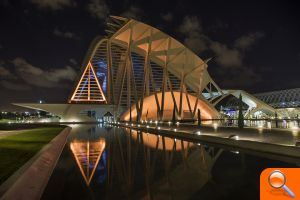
87	155
88	88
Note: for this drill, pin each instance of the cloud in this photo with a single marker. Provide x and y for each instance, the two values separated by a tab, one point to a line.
226	56
241	77
133	12
246	41
73	61
53	4
67	34
167	16
43	78
98	9
230	57
5	73
193	37
14	86
5	3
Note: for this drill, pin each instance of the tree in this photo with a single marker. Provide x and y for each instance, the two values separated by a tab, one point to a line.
199	118
241	116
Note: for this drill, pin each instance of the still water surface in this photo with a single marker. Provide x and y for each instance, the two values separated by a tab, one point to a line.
116	163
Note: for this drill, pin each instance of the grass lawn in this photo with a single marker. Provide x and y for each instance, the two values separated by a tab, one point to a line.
16	150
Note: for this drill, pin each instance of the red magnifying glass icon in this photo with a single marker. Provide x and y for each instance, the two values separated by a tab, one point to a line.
277	180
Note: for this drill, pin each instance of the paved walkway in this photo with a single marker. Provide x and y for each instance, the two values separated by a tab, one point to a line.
31	184
286	137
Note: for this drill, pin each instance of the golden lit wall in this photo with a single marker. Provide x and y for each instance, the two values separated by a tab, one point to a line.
150	108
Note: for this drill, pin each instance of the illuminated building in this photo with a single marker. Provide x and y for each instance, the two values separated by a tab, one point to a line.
139	69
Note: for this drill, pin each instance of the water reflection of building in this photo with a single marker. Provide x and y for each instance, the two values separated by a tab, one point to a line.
182	161
147	166
87	155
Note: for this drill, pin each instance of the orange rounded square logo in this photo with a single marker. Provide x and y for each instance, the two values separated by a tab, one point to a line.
280	183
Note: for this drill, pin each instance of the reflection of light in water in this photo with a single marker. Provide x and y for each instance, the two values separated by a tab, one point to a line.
152	140
87	155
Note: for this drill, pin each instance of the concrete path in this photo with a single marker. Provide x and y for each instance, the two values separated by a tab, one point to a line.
286	137
31	184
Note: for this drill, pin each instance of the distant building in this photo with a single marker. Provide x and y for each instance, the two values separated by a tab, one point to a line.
286	102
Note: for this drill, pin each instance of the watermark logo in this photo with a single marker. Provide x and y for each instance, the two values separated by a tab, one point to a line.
280	183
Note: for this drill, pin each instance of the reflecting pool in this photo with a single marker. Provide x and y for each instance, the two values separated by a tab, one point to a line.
116	163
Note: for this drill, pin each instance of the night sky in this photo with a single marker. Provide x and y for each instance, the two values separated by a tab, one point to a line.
255	45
